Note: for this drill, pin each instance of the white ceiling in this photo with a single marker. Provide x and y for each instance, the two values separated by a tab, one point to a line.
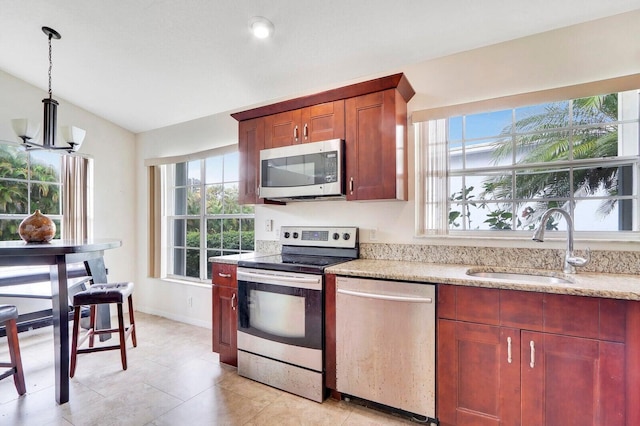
146	64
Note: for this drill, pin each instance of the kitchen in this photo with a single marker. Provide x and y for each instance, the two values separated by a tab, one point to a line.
437	82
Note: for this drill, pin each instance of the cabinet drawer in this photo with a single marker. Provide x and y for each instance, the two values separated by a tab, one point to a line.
224	274
473	304
589	317
522	309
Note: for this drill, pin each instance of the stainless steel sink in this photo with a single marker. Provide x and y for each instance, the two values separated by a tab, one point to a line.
537	277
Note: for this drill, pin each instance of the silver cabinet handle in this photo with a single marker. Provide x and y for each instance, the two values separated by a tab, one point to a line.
233	298
509	358
305	131
533	354
221	275
351	185
295	133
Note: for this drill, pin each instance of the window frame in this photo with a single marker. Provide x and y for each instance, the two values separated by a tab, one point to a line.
425	189
203	217
29	181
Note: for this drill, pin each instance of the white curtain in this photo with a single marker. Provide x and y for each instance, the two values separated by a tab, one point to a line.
77	197
432	164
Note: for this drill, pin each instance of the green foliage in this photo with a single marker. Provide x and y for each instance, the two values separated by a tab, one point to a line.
228	241
455	215
15	170
499	219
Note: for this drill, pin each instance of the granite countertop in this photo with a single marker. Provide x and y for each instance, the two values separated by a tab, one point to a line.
233	259
613	286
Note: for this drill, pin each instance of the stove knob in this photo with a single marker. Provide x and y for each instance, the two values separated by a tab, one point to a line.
346	236
286	234
336	236
295	235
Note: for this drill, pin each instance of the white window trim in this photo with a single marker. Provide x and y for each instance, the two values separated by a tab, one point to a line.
601	239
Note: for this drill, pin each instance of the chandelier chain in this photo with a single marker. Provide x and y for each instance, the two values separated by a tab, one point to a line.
50	67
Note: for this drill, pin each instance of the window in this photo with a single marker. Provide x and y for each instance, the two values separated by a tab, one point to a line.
29	180
203	217
501	170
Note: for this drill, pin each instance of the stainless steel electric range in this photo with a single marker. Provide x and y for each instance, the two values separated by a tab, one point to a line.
281	308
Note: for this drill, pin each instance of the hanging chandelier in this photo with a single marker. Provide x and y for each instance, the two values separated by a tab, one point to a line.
28	131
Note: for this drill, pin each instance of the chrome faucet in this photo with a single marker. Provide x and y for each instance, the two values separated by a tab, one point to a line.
570	261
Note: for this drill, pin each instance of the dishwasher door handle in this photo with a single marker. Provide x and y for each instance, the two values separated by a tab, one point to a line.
386	296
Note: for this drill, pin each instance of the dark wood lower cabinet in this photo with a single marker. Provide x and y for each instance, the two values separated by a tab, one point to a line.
224	312
478	375
572	381
576	365
225	324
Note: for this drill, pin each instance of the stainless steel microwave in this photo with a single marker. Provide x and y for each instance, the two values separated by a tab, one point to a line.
303	171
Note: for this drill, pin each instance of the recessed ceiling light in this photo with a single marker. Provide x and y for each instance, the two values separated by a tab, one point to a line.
261	27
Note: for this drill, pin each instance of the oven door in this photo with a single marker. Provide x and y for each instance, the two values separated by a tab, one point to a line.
282	307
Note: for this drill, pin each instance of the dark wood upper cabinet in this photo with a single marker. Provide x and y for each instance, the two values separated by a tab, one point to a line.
376	146
370	116
250	142
310	124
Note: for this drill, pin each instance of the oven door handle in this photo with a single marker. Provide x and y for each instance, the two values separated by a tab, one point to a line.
386	296
258	277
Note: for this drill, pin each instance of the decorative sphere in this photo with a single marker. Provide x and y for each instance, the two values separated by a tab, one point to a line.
37	228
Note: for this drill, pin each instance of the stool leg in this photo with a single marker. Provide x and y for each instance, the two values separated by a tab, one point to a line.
16	359
74	340
123	347
92	324
132	322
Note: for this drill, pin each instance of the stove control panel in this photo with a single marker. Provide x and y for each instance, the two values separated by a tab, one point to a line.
320	236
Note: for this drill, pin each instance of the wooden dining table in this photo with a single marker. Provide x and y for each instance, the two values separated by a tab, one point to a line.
59	255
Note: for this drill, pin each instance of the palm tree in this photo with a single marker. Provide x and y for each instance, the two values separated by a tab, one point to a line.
544	138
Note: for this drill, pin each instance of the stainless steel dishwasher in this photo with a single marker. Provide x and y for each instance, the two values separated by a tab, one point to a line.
385	343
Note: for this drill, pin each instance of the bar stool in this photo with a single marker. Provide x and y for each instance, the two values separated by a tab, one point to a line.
8	317
99	294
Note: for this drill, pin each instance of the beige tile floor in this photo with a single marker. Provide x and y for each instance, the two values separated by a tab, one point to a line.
173	379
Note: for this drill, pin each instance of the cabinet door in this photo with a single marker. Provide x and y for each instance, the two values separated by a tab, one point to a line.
311	124
250	142
376	145
572	381
478	374
323	122
282	129
225	325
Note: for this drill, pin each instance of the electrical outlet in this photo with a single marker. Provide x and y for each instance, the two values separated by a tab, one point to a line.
190	302
268	225
373	234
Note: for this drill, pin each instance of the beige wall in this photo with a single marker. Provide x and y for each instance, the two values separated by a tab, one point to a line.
598	50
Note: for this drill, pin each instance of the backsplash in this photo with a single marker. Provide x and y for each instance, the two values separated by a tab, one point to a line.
603	261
